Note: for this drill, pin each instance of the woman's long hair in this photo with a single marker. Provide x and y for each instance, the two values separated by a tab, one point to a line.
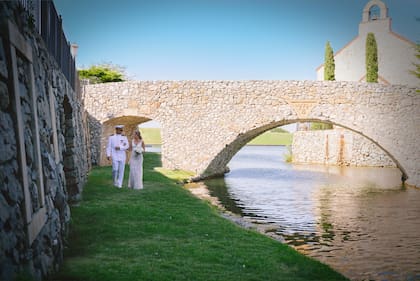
137	133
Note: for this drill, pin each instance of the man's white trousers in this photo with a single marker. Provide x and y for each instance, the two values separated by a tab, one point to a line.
118	172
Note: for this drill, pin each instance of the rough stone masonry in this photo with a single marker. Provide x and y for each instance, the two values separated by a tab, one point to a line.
204	123
43	150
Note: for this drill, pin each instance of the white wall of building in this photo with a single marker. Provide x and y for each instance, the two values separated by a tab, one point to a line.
396	55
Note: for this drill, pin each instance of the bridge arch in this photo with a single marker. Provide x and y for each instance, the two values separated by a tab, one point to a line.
218	165
203	123
108	128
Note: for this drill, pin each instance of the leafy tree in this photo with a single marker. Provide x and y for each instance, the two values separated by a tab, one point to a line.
103	73
371	58
329	63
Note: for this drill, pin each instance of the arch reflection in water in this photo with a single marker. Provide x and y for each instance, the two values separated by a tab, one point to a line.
361	221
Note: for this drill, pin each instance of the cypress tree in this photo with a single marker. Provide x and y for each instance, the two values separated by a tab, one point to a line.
371	58
417	65
329	63
417	71
329	75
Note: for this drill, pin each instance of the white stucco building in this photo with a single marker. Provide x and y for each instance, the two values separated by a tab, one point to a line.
396	54
396	58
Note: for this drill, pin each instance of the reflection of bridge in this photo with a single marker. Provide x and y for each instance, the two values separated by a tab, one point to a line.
204	123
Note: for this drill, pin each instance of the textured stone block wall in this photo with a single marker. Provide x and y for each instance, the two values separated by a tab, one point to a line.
204	123
337	147
43	151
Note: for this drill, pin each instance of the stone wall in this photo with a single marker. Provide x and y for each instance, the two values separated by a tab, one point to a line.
43	151
337	147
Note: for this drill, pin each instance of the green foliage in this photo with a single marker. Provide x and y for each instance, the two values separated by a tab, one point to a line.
278	130
329	63
288	156
371	58
321	126
329	75
272	138
417	71
151	135
103	73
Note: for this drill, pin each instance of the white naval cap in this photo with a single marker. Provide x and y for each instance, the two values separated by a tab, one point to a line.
119	126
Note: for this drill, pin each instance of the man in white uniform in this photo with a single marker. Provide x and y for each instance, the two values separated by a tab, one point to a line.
117	145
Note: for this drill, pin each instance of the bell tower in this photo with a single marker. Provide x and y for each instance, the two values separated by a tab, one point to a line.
375	18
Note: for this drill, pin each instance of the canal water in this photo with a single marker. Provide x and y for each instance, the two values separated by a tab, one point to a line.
360	221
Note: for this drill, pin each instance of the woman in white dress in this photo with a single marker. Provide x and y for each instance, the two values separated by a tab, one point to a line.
135	179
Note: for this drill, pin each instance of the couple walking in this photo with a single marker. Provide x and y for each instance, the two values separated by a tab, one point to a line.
117	145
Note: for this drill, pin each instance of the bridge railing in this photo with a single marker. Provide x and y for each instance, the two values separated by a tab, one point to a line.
49	25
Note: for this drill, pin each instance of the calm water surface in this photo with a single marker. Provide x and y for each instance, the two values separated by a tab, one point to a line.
360	221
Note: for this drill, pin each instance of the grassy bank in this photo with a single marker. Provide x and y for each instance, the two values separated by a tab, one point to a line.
164	233
151	135
273	137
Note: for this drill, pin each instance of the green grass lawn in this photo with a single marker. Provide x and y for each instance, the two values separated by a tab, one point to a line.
164	233
273	137
151	135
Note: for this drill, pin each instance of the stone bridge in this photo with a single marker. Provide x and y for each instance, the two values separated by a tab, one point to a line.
204	123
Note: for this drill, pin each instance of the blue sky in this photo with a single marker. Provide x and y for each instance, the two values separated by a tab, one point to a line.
219	39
